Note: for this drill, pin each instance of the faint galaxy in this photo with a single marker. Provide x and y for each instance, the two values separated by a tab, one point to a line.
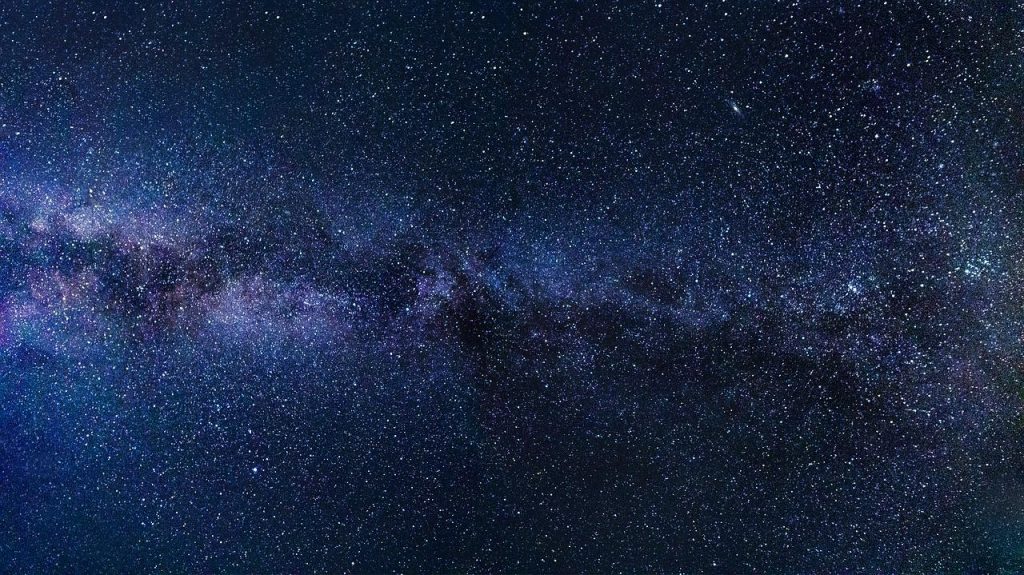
639	287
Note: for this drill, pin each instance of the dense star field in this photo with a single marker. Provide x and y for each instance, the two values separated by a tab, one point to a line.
712	287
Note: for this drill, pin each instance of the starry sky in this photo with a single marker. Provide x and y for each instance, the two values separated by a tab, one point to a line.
422	287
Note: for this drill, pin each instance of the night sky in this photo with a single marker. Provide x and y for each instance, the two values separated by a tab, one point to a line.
712	287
